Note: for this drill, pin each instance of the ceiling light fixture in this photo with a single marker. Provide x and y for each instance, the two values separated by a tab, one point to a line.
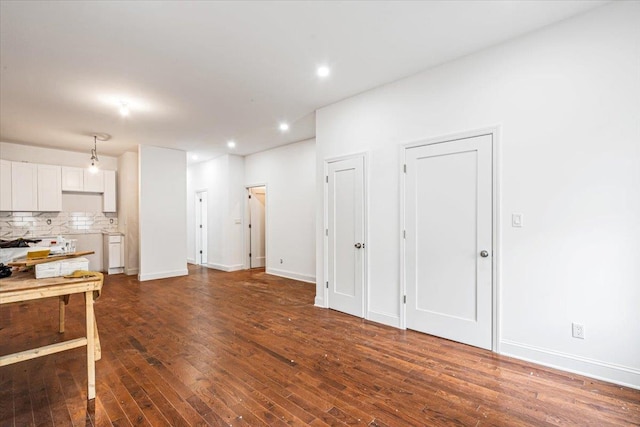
323	71
284	126
94	156
93	168
194	157
124	109
231	144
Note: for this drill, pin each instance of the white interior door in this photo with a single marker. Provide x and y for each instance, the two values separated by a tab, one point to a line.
257	203
345	233
201	227
449	240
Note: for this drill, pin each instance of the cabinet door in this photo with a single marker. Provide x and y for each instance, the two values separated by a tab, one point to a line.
24	186
5	185
109	196
94	181
72	179
49	188
115	255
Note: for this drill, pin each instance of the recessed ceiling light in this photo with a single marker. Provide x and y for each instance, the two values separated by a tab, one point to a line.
284	126
231	144
194	157
323	71
124	109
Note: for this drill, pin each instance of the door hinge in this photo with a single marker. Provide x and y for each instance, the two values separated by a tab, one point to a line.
249	254
326	232
327	285
249	195
404	234
327	179
249	225
200	200
405	168
200	251
404	300
200	225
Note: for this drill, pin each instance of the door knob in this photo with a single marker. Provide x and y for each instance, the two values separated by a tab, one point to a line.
358	245
484	254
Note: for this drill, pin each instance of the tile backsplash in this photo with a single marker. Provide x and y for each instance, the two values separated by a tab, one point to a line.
50	224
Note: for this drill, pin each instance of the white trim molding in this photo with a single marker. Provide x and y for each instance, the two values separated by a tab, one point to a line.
617	374
163	275
291	275
392	320
223	267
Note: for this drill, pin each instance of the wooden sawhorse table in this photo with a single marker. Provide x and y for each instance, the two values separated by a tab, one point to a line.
24	287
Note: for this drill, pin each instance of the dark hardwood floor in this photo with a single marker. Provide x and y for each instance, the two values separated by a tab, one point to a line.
249	349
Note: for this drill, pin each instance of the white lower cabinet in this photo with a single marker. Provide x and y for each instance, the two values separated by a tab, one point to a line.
113	252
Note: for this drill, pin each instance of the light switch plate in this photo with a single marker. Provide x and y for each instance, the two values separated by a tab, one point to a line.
516	220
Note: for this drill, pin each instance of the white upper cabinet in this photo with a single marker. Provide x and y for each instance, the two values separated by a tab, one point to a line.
5	185
72	179
49	188
24	186
31	187
109	196
80	179
94	181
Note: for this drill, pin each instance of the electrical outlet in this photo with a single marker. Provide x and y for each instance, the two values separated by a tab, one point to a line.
577	330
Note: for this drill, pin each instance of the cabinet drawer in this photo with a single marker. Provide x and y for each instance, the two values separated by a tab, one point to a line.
115	239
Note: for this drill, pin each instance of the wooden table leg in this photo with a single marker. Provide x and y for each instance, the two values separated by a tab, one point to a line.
62	301
98	351
61	319
91	331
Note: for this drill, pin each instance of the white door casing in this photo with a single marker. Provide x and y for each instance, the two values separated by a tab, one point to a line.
346	248
448	224
257	209
201	227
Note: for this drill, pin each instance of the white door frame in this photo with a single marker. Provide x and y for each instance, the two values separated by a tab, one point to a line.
246	245
199	231
365	213
496	232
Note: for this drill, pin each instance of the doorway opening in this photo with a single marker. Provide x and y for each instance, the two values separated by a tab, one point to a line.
201	227
255	231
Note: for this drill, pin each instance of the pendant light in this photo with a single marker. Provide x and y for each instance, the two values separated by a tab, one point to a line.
94	156
95	166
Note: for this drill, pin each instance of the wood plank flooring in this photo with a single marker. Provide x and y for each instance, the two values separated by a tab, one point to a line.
249	349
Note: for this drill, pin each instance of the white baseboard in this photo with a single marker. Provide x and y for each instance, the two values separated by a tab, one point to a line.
191	261
131	271
617	374
163	274
291	275
224	267
319	302
384	318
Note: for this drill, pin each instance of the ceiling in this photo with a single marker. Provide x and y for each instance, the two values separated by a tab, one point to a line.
196	74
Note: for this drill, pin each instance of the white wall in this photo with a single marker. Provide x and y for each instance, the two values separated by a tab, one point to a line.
128	209
289	175
222	179
567	101
163	240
